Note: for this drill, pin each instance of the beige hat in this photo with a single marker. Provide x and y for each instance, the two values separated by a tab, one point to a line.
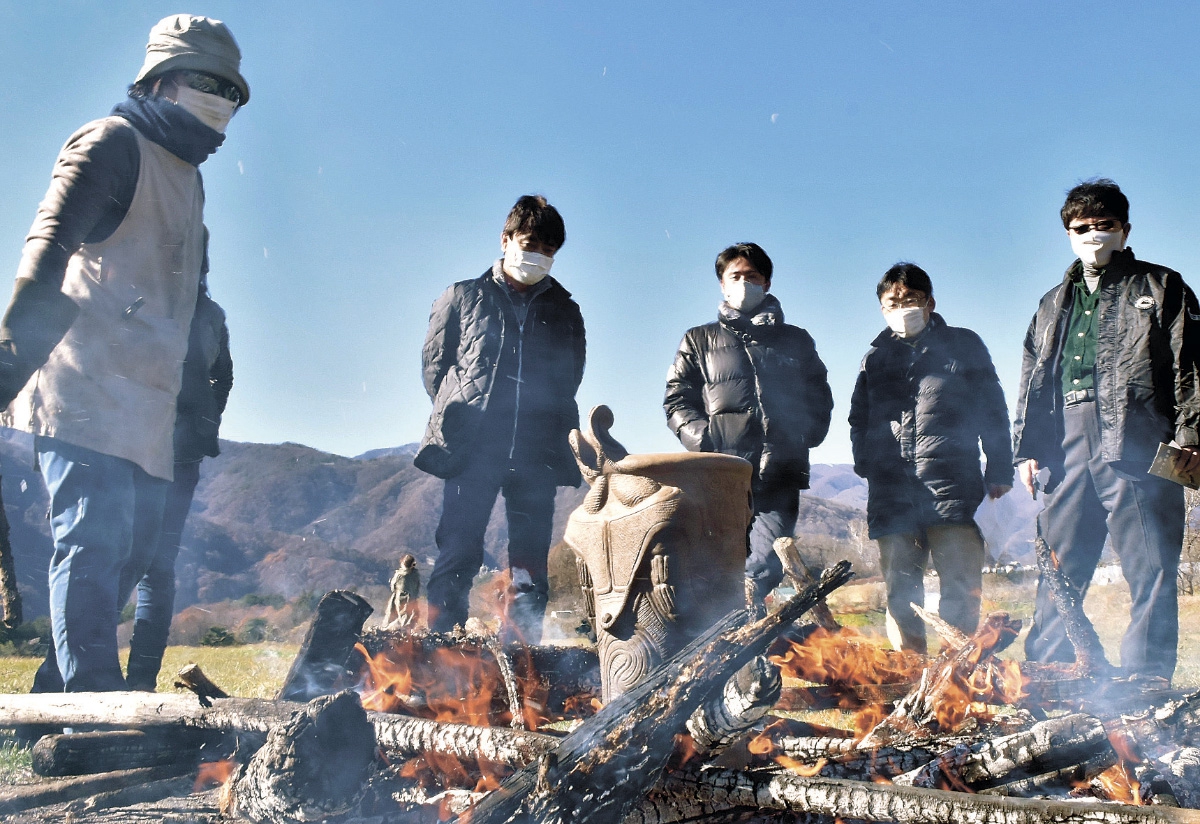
199	44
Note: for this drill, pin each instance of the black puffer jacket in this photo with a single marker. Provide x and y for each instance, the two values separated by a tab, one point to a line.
917	417
1147	341
473	327
752	387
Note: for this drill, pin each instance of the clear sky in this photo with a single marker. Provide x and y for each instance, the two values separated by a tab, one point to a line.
385	143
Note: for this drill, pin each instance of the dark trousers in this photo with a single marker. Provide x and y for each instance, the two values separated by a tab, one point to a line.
156	590
1144	516
776	507
466	508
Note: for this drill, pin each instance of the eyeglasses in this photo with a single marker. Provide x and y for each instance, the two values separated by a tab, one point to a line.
906	303
210	84
1104	225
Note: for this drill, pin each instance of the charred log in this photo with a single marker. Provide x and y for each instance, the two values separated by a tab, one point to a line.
606	765
833	798
18	799
802	578
1046	747
746	698
404	737
99	752
320	666
312	767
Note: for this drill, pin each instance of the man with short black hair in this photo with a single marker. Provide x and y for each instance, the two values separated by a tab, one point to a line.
101	308
502	361
750	385
1109	373
927	396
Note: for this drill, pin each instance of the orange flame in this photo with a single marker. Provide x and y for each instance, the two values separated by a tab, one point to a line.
1118	781
213	774
845	657
799	767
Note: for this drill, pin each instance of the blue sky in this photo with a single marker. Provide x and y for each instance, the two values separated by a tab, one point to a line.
386	141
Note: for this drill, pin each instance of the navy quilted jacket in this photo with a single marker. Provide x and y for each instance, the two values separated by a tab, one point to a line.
476	338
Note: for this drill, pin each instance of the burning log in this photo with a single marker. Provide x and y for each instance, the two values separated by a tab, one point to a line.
684	795
606	765
952	637
405	737
1089	652
19	799
917	715
745	699
82	753
320	665
1047	747
311	768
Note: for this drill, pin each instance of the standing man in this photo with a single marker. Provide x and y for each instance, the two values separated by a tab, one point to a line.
1108	375
99	320
927	395
502	361
750	385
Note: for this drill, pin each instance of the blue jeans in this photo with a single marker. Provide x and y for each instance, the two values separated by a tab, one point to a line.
776	507
466	508
156	590
105	516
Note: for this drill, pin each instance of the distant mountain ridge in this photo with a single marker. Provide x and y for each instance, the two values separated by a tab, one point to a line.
288	520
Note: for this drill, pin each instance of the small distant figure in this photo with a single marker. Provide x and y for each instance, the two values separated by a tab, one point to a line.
402	604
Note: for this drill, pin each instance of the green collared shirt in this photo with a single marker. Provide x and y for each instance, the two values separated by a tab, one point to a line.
1079	346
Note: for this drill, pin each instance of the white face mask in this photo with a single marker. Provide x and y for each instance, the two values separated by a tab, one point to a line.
526	268
907	322
743	295
1096	247
212	110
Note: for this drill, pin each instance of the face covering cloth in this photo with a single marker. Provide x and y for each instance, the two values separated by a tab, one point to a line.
907	322
743	295
526	268
1096	247
212	110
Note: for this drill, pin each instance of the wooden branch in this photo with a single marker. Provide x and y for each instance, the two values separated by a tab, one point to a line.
951	636
99	752
504	662
320	666
193	679
802	578
730	790
1089	652
607	764
405	737
21	798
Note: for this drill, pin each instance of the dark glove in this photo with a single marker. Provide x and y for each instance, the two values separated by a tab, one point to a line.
38	317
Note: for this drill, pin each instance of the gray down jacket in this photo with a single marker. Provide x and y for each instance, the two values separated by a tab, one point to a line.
751	386
475	337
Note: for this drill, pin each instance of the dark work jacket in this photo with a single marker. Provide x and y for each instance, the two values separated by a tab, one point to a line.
207	379
752	387
917	417
474	340
1145	373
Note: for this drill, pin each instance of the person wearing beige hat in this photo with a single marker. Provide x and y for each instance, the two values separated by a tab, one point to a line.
94	338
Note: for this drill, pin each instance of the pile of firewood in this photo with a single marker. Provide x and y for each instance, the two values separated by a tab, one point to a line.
361	732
